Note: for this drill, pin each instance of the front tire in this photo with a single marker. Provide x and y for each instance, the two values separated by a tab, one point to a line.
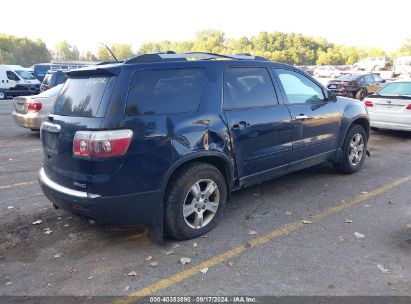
2	95
353	150
194	201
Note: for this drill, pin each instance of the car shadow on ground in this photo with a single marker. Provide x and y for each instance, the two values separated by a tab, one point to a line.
392	133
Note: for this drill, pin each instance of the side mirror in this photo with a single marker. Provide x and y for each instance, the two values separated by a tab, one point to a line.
330	95
383	81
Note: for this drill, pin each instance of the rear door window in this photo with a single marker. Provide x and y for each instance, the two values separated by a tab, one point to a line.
81	97
165	91
248	88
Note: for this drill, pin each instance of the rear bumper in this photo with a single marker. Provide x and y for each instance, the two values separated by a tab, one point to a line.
139	208
31	120
390	121
343	92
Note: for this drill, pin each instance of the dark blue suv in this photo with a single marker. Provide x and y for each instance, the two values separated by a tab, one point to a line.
162	140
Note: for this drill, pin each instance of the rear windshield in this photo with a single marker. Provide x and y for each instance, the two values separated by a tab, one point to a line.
165	91
396	88
81	96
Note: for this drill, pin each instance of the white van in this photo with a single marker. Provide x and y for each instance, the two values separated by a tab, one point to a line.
16	80
402	66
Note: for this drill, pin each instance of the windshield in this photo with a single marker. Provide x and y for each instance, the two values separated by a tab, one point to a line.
52	92
81	97
25	74
396	88
348	77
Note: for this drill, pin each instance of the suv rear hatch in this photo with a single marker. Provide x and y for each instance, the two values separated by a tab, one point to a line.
80	106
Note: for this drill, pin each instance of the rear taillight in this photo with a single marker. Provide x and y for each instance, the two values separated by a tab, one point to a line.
101	144
368	103
409	107
34	106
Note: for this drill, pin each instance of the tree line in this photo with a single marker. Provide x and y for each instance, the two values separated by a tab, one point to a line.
292	48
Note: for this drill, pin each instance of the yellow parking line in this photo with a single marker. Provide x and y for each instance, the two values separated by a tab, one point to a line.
272	235
18	185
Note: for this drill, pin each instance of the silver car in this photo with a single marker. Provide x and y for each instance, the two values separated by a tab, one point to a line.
29	111
390	107
327	71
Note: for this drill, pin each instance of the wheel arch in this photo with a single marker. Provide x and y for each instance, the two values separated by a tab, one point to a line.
217	159
361	120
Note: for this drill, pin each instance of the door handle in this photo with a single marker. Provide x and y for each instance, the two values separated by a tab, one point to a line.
240	125
301	117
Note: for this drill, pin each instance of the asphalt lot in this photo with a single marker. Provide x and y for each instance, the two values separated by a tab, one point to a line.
284	257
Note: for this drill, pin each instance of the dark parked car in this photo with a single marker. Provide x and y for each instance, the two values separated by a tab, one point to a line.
356	85
159	139
52	79
40	70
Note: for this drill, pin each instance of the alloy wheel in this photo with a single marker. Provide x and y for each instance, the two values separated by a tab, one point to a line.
356	151
201	203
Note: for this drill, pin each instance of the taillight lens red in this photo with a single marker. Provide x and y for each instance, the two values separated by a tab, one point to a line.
368	103
101	144
34	106
409	107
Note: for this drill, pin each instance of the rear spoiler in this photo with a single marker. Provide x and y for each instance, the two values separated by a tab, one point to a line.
112	70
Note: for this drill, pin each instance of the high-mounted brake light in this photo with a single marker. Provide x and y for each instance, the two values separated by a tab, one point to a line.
368	103
101	144
34	106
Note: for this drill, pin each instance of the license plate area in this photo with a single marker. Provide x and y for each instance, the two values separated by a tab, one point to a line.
50	141
21	107
50	136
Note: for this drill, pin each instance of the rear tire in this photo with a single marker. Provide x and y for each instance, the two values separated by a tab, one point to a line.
191	210
2	95
353	150
361	94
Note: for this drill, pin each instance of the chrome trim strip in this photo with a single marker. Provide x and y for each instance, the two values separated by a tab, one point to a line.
59	188
51	127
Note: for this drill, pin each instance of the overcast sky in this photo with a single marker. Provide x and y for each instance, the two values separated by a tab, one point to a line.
85	23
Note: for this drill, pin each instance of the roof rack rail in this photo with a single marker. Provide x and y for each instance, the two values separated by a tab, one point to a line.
172	56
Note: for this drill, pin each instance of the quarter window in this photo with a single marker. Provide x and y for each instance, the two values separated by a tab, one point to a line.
165	91
298	88
248	88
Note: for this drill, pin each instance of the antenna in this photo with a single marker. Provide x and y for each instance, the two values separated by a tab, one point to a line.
111	53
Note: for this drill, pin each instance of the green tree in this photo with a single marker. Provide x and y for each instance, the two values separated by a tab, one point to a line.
120	50
22	51
209	41
405	50
66	52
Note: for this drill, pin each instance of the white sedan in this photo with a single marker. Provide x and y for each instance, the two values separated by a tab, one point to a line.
390	107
